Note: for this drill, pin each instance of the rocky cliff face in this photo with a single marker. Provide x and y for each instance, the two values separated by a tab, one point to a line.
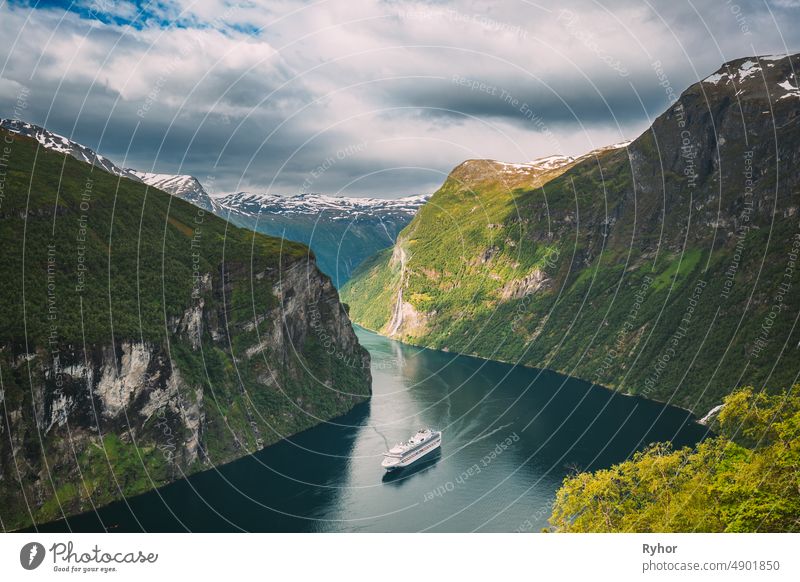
216	357
143	399
665	268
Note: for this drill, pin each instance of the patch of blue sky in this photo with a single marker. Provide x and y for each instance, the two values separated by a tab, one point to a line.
137	14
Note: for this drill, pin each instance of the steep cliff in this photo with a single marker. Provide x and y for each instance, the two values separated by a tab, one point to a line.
143	339
666	268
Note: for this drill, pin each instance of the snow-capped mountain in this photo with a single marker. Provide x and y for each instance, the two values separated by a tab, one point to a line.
59	143
552	162
338	207
183	186
341	231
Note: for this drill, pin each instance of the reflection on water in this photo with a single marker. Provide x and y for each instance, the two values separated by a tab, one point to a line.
400	476
510	435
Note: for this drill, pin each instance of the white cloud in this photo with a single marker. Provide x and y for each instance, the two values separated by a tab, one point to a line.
271	90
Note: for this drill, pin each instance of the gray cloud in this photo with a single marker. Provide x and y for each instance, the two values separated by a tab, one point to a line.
257	99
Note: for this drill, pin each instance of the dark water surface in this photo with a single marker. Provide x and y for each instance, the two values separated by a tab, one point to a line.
510	435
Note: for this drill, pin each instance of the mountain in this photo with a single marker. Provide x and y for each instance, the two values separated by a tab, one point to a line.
59	143
144	339
341	231
183	186
666	268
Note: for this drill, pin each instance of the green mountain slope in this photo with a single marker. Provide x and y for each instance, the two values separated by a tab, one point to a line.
666	268
142	339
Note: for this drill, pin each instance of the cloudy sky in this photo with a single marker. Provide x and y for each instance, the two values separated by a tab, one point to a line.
362	97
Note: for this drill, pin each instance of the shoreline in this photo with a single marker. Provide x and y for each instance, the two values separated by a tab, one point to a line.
614	390
357	409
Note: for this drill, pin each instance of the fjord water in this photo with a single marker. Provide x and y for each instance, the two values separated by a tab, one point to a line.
510	435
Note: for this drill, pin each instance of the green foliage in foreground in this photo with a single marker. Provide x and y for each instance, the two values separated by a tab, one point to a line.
747	479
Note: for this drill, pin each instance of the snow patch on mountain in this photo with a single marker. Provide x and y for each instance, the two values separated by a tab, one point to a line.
552	162
182	186
313	204
746	69
715	78
792	90
773	57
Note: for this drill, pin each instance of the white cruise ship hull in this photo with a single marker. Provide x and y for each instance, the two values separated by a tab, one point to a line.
394	463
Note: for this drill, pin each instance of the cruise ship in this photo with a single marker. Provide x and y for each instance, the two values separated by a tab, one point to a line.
404	454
